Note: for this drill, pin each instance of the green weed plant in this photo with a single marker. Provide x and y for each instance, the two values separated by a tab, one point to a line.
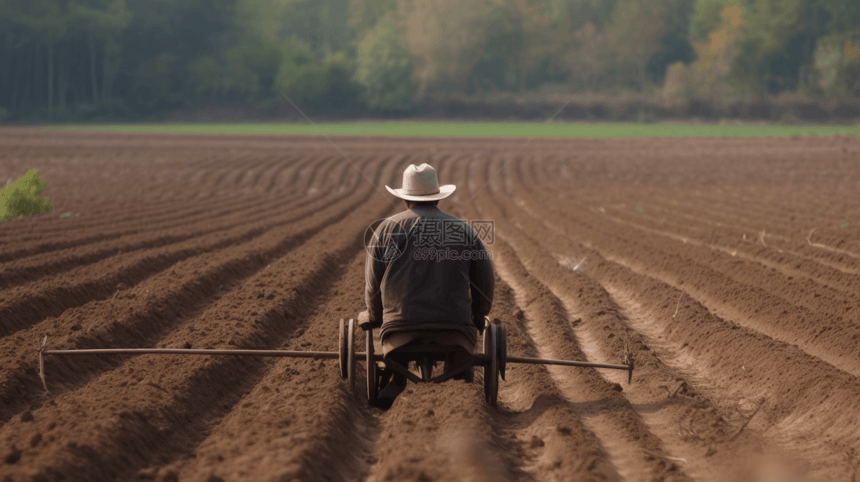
23	197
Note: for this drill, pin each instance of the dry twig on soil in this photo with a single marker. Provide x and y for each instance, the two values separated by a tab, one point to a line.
809	240
663	456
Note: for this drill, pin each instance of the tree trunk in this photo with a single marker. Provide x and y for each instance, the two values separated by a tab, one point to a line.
61	81
92	48
7	74
105	77
50	78
37	74
16	81
26	93
521	81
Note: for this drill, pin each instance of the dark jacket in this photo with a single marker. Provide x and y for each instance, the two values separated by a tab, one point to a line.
427	270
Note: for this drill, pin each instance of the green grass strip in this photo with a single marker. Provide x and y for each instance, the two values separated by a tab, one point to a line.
477	129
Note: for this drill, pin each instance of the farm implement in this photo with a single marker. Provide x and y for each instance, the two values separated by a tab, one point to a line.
493	359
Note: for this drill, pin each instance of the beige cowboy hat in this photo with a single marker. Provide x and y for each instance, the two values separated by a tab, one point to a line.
420	183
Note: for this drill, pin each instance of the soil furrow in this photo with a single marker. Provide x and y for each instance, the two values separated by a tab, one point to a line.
97	215
697	201
138	315
686	420
170	216
823	335
551	440
804	402
438	432
273	167
804	252
163	408
32	303
149	211
295	440
781	283
785	211
819	334
789	412
55	262
635	452
251	173
740	452
798	246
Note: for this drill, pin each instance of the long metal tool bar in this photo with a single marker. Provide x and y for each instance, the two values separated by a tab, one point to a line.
193	351
568	363
479	359
308	354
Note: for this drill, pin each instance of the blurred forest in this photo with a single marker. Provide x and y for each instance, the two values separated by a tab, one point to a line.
66	60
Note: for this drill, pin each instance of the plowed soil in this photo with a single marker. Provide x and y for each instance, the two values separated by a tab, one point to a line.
730	268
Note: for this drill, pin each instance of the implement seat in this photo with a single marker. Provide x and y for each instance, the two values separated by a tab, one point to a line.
426	348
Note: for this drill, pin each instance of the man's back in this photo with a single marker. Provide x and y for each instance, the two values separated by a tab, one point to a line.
427	270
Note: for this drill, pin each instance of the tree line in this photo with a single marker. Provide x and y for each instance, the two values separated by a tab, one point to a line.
78	59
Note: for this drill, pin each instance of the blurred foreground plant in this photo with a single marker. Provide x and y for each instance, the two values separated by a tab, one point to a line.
22	197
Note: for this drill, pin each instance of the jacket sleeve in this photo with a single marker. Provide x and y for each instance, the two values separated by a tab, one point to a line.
374	270
482	281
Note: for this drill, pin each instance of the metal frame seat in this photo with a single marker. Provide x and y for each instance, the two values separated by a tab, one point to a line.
426	353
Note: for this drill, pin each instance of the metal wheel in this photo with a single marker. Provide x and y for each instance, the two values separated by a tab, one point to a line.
491	369
372	379
341	348
350	355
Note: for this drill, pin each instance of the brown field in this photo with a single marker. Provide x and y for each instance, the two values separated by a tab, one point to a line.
745	327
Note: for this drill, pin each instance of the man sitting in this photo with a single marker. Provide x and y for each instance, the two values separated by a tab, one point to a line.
428	277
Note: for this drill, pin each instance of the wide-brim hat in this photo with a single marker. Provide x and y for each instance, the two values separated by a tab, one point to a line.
420	183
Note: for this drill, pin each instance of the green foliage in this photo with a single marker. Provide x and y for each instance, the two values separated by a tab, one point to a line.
770	24
675	43
837	64
706	18
104	19
364	14
578	12
678	86
385	69
496	69
341	87
633	38
22	197
718	54
83	59
324	86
